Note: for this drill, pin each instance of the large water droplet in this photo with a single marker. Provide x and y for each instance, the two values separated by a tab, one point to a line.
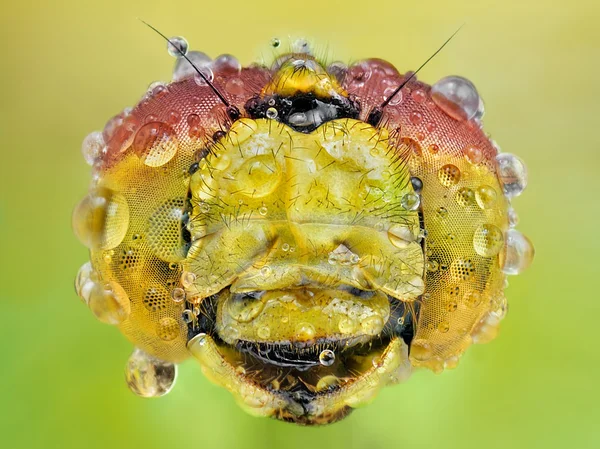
512	172
456	96
305	331
92	147
244	308
155	143
109	302
85	281
149	377
518	252
401	236
176	46
183	69
227	64
488	240
101	219
327	357
410	201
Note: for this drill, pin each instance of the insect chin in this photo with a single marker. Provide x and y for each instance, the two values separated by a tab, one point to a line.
307	355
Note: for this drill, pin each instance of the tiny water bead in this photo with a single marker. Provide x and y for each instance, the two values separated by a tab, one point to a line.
101	219
396	99
456	96
272	113
263	210
488	240
512	173
85	281
188	316
155	143
177	46
327	357
188	279
149	377
206	74
465	197
410	201
109	302
518	253
401	236
275	42
92	147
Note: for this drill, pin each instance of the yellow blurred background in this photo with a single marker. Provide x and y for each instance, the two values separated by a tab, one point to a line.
67	66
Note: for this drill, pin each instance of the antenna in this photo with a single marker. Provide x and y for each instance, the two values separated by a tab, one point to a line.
232	111
377	112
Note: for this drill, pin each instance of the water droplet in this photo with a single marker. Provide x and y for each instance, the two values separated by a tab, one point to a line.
451	306
207	73
473	154
485	196
415	117
472	299
109	302
227	64
431	126
327	357
155	143
187	279
417	184
265	271
275	42
149	377
101	219
401	236
178	295
456	96
449	175
433	148
183	69
396	99
513	217
518	253
285	247
263	210
204	207
442	212
92	147
465	197
418	95
188	316
301	45
410	201
488	240
176	46
272	113
347	325
443	327
85	281
305	331
263	332
512	173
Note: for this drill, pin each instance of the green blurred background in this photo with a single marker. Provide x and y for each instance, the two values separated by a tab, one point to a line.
68	66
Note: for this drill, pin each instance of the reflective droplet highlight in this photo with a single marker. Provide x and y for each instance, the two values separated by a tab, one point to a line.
109	302
486	196
488	240
327	357
92	147
149	377
518	253
155	143
101	219
456	96
512	173
449	175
